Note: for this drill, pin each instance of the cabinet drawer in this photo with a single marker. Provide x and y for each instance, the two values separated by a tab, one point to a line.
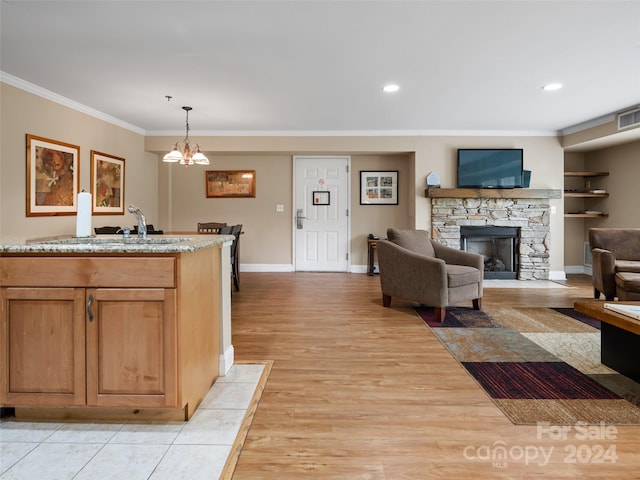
142	272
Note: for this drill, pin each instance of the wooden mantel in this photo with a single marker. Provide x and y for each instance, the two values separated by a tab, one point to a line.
492	193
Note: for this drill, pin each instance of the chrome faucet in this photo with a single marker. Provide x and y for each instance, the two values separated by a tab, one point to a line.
142	222
124	231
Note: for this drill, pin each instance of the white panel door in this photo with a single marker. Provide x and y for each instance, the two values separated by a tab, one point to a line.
321	221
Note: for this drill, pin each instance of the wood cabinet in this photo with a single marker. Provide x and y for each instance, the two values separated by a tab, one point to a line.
44	362
578	185
111	336
126	335
131	347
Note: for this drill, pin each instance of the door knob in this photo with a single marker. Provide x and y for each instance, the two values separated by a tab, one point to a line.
299	218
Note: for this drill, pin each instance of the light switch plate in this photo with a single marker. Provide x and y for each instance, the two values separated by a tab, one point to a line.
279	208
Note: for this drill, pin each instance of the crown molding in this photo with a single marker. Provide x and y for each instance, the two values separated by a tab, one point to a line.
67	102
354	133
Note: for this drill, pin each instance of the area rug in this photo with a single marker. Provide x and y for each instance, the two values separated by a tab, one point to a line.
538	364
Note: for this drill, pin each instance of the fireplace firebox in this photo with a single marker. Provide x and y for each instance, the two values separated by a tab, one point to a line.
498	245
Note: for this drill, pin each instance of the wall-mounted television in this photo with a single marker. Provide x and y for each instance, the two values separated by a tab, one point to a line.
490	168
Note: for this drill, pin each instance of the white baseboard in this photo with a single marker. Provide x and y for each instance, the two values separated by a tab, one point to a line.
275	267
557	275
266	267
226	361
578	269
284	267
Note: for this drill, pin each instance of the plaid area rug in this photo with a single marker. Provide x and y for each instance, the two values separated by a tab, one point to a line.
538	364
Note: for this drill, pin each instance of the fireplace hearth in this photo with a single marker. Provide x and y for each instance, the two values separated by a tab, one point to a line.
498	245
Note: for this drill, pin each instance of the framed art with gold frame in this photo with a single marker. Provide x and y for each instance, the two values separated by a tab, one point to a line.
107	184
230	183
53	177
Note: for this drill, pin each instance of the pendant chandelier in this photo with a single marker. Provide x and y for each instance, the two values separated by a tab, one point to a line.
184	152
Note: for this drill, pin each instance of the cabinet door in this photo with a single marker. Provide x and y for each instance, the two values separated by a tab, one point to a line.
131	348
43	347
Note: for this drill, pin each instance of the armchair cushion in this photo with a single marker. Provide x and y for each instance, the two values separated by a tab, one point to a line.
459	275
628	266
417	241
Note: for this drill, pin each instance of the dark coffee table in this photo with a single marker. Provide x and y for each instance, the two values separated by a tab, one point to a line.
619	337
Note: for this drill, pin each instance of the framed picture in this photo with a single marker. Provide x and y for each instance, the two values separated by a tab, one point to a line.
379	187
107	184
321	197
230	183
53	177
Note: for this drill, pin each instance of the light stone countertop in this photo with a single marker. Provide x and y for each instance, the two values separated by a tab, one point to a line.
112	244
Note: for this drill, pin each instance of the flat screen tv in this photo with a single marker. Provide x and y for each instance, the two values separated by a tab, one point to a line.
490	168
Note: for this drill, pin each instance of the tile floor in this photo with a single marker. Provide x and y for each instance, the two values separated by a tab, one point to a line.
192	450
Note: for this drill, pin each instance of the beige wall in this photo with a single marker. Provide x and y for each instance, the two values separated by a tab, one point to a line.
173	197
24	113
271	157
597	136
623	164
268	234
376	219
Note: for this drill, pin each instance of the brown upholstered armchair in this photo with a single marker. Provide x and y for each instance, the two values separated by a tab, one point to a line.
414	267
613	250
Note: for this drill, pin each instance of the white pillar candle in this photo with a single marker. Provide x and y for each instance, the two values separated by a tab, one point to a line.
83	218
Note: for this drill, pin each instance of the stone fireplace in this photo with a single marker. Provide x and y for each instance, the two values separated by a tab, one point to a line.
525	210
498	246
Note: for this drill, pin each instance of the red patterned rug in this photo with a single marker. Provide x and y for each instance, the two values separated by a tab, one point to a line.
538	364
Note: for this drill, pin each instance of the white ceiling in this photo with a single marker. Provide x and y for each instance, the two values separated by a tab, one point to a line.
313	67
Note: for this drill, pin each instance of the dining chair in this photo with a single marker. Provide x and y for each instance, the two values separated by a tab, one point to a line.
106	230
236	230
150	230
210	227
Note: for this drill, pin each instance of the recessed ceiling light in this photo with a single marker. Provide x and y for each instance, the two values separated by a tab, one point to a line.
552	86
390	88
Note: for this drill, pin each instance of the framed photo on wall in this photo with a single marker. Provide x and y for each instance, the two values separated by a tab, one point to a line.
378	187
107	184
53	177
321	197
230	183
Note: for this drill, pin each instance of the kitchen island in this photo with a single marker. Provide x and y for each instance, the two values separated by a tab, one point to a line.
109	327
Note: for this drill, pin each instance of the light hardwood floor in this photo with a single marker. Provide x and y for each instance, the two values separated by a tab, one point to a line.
358	391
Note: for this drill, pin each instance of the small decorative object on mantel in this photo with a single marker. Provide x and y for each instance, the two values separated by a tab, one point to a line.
433	180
